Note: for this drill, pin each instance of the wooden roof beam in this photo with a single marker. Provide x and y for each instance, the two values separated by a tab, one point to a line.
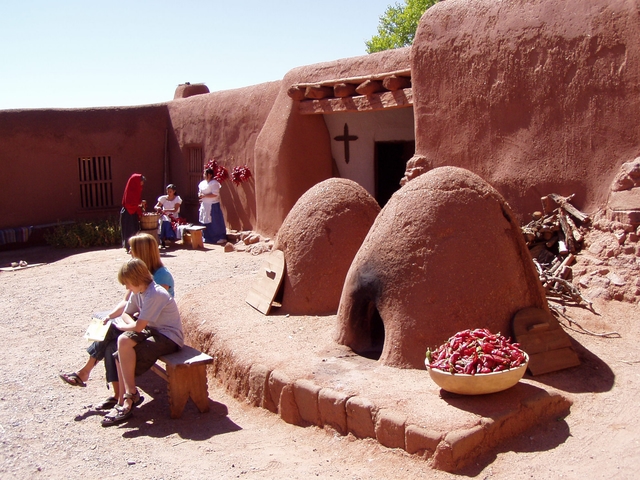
362	103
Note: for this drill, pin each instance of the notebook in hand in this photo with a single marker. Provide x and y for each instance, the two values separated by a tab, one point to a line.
97	329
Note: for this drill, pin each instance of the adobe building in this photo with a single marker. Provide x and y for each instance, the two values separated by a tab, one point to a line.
534	98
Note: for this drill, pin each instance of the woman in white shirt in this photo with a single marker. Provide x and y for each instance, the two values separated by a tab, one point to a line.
210	213
169	206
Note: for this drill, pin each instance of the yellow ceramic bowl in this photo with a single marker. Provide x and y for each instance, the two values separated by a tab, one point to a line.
480	383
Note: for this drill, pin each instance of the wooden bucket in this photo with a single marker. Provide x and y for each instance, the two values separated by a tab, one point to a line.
149	221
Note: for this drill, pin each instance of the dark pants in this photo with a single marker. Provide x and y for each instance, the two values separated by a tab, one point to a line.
104	351
129	226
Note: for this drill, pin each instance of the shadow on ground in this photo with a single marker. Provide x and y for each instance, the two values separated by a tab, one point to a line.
592	375
41	254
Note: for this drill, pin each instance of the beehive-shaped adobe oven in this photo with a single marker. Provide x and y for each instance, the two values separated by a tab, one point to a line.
319	238
445	254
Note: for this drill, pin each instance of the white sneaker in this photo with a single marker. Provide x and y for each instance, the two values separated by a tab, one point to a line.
222	241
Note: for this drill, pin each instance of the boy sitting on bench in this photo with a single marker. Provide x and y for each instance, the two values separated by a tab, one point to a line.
152	328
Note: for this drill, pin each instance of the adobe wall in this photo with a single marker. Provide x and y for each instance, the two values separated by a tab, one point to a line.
39	155
535	97
40	149
293	151
225	124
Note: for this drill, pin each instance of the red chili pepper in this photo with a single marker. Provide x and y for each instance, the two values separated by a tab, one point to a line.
476	351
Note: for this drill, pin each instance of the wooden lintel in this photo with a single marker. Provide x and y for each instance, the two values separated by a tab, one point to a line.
363	103
374	76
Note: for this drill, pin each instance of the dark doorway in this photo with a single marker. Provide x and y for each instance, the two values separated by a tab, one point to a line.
390	163
376	336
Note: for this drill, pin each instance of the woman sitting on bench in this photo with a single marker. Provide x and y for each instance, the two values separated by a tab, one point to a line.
151	328
144	247
169	206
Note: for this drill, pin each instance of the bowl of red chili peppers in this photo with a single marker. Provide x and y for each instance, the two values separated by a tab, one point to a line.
476	362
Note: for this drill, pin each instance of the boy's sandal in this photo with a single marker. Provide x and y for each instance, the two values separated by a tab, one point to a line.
136	397
117	415
108	404
72	379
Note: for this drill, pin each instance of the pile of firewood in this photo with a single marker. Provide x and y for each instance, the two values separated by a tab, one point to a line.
554	237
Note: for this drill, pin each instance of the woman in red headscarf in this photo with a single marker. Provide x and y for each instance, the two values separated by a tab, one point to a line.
131	208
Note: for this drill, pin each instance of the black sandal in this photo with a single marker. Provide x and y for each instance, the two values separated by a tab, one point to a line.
108	404
136	397
72	379
119	414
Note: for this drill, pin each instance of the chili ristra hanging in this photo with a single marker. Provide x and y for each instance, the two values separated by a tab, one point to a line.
476	351
240	174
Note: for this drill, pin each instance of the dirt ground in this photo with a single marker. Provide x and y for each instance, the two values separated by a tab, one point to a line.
50	430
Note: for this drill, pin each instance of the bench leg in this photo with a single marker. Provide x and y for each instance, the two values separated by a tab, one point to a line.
189	382
196	239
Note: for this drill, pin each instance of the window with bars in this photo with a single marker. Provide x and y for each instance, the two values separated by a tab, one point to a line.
96	187
195	162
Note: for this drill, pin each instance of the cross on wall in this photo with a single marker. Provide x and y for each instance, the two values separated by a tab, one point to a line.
346	138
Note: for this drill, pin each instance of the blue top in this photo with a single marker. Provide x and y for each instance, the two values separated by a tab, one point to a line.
163	277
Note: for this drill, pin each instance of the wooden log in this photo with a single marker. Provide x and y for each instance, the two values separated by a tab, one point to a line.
562	244
342	90
568	261
369	87
318	92
577	236
395	82
567	232
563	202
551	220
552	241
555	265
570	209
296	92
548	204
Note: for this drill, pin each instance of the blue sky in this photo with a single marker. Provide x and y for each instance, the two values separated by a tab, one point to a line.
71	54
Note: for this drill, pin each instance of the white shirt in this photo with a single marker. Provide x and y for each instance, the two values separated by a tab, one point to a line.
170	204
205	188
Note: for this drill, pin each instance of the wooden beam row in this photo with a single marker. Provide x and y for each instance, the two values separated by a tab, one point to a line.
351	86
361	103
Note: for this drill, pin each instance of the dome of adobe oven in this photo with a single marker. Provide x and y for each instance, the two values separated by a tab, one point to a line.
319	238
445	254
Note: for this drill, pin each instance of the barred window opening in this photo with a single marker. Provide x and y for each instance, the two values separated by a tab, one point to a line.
195	162
96	186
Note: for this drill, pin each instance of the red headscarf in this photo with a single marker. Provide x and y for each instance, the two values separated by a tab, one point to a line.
132	196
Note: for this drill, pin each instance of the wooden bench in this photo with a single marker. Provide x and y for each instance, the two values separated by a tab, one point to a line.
186	375
192	236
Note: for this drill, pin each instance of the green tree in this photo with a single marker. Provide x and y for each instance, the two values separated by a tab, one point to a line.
398	25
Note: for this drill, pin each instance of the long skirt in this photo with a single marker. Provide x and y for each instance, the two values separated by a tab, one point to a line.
216	230
129	226
166	231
